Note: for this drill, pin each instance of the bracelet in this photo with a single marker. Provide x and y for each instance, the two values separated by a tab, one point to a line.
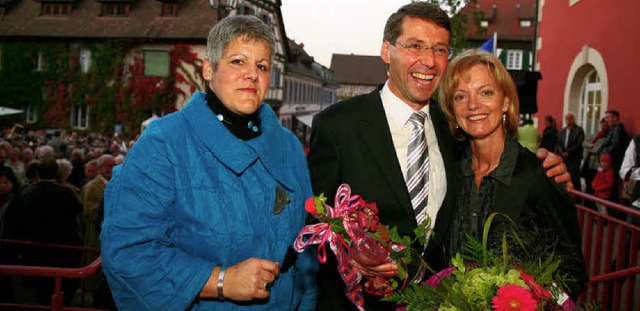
220	280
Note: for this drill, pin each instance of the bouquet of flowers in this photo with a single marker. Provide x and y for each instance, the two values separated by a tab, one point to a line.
481	280
353	231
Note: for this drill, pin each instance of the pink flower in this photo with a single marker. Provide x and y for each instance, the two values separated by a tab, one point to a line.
514	298
310	206
434	280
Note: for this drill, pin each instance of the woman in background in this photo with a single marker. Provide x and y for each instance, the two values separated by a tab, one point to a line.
550	135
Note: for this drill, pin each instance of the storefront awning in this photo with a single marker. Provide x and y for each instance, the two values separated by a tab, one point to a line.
306	119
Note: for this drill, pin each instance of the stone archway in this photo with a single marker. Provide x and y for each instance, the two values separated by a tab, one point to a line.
580	82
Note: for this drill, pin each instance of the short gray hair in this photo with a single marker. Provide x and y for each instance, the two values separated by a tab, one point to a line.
247	27
64	169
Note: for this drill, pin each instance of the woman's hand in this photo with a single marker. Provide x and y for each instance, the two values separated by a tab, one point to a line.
247	280
250	279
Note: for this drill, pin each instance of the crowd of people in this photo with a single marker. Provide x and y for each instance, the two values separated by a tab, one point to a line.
51	187
204	208
595	163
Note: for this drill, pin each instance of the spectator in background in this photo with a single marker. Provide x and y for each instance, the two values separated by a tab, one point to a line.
27	156
603	182
528	136
630	169
592	158
7	148
16	164
549	134
570	147
52	211
11	227
90	171
45	152
91	196
617	139
31	175
615	145
3	157
64	171
77	173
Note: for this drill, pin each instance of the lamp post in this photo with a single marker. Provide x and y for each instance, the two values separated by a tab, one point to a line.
223	7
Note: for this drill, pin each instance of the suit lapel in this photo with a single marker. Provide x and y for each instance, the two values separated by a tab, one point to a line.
376	135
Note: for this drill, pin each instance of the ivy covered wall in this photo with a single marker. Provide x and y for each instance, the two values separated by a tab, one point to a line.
114	89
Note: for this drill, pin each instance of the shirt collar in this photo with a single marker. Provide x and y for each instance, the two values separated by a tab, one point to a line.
504	172
396	109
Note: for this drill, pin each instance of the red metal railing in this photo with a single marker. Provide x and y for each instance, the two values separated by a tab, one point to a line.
610	246
57	273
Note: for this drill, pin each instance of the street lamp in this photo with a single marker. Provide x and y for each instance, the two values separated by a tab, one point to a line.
224	7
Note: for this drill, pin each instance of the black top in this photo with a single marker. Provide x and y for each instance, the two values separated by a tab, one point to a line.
243	127
549	138
519	188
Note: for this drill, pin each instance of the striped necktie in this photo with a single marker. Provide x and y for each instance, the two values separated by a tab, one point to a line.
418	166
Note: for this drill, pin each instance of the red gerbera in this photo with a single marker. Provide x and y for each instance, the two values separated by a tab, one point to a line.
514	298
539	292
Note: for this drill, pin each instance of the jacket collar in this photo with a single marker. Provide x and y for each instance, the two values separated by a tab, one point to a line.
504	172
270	148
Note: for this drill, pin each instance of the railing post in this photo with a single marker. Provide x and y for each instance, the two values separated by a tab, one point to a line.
57	299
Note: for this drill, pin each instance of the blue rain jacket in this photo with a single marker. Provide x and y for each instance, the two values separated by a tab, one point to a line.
191	196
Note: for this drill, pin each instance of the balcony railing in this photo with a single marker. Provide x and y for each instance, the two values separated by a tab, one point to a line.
610	246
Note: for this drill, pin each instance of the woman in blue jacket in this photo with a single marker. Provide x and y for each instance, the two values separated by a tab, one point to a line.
202	213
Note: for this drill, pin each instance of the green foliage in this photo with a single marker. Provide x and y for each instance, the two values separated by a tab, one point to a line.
106	89
460	23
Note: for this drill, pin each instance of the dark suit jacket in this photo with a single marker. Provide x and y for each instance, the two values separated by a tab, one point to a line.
574	143
52	212
351	143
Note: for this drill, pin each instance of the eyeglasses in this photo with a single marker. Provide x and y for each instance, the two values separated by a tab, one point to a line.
417	48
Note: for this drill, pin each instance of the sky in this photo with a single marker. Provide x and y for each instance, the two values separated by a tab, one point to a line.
326	27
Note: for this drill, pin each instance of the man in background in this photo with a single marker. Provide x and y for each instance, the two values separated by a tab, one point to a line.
570	147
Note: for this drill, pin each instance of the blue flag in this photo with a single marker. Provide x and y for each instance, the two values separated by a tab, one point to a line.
490	44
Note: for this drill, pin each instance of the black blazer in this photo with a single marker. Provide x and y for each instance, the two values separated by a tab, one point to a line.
574	144
351	143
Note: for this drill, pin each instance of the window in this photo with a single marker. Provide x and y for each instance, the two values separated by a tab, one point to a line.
514	59
80	116
275	77
525	23
32	114
156	63
246	10
55	9
169	10
484	24
85	60
590	110
38	61
266	18
115	9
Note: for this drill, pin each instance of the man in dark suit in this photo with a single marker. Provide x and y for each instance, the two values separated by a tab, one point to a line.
364	142
52	211
570	147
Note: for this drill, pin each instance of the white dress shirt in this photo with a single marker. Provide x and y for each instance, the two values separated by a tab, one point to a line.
398	114
627	164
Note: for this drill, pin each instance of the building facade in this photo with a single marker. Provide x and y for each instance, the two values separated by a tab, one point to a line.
309	88
513	22
94	64
357	74
588	57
